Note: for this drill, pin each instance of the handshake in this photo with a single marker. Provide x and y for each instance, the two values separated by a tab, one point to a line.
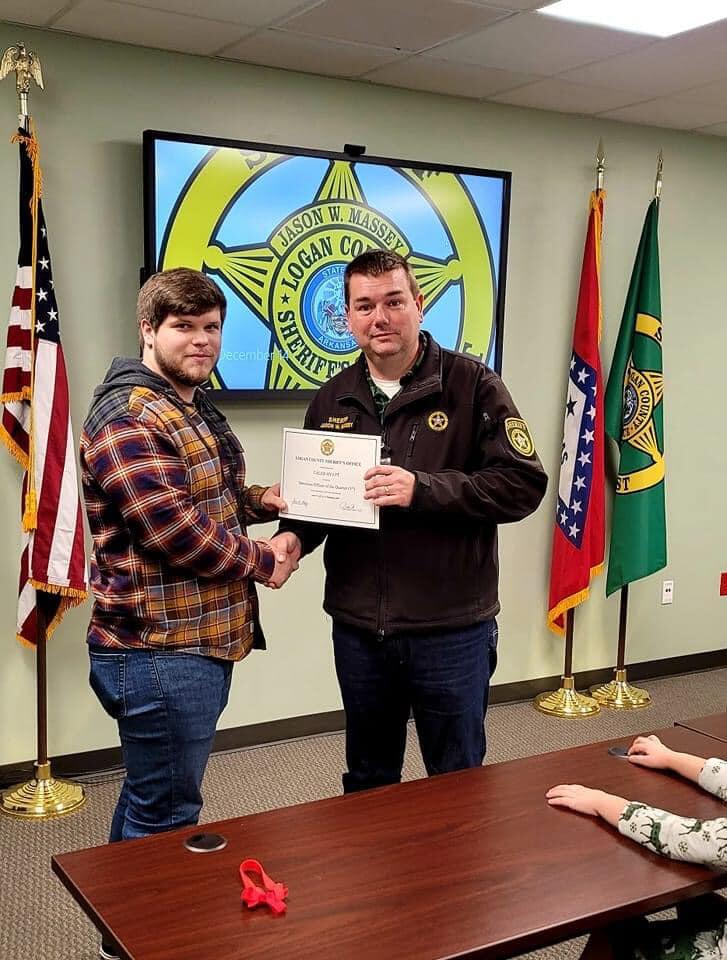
287	546
287	549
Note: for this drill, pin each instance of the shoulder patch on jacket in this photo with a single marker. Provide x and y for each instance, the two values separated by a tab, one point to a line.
518	436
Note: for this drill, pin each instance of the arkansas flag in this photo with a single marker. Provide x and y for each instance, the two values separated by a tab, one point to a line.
579	534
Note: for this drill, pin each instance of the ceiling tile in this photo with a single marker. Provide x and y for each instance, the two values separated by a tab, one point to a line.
39	12
402	24
531	43
255	13
670	112
439	76
555	94
278	48
716	130
715	92
109	20
663	67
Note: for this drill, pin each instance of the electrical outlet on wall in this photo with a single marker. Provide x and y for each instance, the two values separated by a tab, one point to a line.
667	591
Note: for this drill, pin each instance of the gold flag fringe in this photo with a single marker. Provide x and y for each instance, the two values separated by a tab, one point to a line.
72	597
17	396
575	600
14	448
30	512
33	149
29	141
70	593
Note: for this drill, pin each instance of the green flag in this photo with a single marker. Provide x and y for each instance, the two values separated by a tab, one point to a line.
635	420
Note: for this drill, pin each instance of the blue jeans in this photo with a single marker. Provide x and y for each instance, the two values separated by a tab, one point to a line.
441	677
167	706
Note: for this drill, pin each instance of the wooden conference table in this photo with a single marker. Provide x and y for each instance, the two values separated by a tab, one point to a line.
471	864
715	725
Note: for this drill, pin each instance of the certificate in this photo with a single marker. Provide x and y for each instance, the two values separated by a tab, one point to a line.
322	479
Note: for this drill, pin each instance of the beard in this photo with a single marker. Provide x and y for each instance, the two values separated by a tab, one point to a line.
175	372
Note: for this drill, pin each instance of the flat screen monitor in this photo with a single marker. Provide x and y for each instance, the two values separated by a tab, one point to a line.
275	226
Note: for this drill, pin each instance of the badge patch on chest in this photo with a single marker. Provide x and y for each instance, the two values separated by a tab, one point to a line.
438	421
518	436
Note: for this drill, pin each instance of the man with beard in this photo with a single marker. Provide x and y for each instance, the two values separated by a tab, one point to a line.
413	603
173	570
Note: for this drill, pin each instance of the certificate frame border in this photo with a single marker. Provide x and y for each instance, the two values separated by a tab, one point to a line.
358	525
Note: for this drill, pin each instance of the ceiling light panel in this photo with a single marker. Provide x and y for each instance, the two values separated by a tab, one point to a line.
652	17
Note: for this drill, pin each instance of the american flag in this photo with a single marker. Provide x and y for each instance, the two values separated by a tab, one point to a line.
36	423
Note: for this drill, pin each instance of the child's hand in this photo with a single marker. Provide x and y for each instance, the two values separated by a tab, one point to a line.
594	803
575	797
651	752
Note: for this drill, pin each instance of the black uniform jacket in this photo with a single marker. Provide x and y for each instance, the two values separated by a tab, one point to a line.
433	564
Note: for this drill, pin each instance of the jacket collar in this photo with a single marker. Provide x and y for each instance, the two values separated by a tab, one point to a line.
425	380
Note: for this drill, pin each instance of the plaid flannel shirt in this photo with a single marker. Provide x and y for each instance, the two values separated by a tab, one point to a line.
163	481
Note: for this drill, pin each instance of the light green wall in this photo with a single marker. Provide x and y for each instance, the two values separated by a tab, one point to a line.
101	96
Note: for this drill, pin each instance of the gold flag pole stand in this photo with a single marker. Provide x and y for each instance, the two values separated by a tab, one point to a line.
44	796
566	701
618	694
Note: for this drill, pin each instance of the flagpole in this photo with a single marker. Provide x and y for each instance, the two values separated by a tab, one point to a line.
566	701
659	172
568	655
44	796
619	694
41	657
41	661
41	672
623	614
600	166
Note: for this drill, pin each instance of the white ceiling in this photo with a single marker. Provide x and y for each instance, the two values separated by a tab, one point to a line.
498	50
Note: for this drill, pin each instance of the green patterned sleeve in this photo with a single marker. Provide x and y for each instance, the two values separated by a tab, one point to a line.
680	838
713	777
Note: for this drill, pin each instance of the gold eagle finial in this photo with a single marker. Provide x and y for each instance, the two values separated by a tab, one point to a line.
26	65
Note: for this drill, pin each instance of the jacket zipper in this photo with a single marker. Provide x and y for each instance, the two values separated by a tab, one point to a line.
385	459
412	438
385	451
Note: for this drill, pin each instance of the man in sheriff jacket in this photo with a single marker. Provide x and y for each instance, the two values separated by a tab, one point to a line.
414	603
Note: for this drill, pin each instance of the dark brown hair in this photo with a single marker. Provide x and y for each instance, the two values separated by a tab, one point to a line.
180	292
373	263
